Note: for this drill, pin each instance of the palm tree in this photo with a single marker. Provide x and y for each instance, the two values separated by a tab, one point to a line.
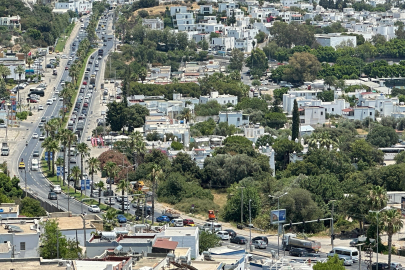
94	165
112	171
393	223
84	151
109	217
75	172
323	138
30	61
123	186
154	175
377	198
100	186
53	147
4	71
49	146
20	70
70	139
143	73
63	135
25	49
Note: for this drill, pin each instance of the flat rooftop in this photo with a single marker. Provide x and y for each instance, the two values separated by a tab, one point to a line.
71	223
88	265
181	251
149	262
16	227
206	265
28	265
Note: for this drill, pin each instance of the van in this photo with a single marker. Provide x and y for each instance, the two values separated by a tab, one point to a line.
351	253
212	226
177	222
34	164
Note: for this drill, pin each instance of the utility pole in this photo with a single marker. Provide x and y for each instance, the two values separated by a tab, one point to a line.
57	244
250	224
332	236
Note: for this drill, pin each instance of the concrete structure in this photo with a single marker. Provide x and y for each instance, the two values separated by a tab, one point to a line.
335	39
236	118
312	115
11	22
22	236
221	99
154	24
185	236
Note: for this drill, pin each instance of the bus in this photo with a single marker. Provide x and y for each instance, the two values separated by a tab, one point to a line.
345	252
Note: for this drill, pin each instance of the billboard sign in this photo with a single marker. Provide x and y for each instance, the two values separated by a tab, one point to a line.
278	216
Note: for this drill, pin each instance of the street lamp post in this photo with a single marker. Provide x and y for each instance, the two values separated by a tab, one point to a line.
250	224
278	229
377	212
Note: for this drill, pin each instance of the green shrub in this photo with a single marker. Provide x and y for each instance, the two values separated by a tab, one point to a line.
201	206
22	115
176	146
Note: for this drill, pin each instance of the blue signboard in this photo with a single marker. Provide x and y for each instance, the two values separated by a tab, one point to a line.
82	185
46	156
58	170
278	216
88	184
14	107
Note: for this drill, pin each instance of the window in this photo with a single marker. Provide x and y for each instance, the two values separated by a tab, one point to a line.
238	119
22	245
371	113
333	109
321	113
302	121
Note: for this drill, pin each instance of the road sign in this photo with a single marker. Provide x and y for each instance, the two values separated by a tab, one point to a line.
58	169
82	184
88	184
278	216
46	156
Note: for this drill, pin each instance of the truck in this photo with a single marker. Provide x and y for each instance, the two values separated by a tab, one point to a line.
5	151
290	240
93	79
171	213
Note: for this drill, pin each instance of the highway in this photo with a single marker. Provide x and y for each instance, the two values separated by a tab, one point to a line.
37	184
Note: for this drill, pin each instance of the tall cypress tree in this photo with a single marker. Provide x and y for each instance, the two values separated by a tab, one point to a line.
296	121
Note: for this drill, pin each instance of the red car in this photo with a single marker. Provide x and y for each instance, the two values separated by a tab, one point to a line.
33	101
85	105
66	68
84	83
188	222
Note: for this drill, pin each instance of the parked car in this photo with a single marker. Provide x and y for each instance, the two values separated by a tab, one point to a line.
110	180
161	218
299	252
121	219
42	137
239	240
107	201
396	266
347	261
94	208
260	244
188	222
381	266
354	242
224	235
231	232
263	238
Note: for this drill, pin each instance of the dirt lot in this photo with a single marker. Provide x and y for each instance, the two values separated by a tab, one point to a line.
159	10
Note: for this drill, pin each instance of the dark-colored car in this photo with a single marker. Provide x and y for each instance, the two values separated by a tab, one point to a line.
381	266
121	219
232	233
263	238
43	119
163	219
239	240
110	180
299	252
52	196
35	153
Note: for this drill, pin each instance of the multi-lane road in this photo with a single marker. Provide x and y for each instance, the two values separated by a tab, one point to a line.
37	184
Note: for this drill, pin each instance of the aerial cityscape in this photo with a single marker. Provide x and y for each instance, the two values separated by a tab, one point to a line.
202	135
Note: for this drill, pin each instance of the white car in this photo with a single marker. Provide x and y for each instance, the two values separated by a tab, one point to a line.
42	137
346	261
49	102
61	99
56	91
40	107
224	235
54	98
57	189
3	126
94	209
35	136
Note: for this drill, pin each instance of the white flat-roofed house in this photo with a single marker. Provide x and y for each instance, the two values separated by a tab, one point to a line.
335	39
312	115
11	22
154	24
223	43
221	99
185	236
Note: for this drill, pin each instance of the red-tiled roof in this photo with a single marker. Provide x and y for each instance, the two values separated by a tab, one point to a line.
165	244
366	93
347	110
300	110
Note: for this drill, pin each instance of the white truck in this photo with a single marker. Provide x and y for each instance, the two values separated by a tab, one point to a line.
5	151
290	240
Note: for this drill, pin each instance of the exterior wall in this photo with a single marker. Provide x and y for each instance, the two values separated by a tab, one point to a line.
333	41
362	113
220	99
234	118
225	6
31	243
313	116
95	249
71	234
178	9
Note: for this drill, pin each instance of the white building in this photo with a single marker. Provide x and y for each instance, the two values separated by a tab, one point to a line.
312	115
154	24
236	118
223	43
11	22
221	99
359	113
22	236
185	236
253	132
74	5
335	39
226	6
205	10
